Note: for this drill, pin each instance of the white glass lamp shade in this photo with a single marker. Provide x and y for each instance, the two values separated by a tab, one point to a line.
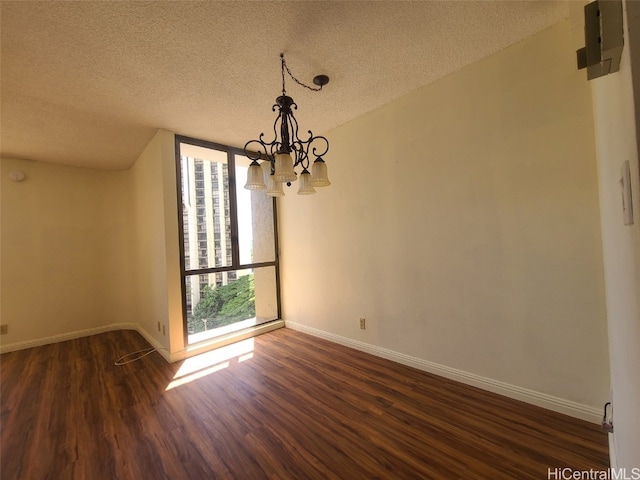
305	187
284	168
274	188
319	176
266	172
255	177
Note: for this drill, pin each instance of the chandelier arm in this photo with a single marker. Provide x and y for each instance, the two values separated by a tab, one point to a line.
302	146
315	149
294	129
308	144
257	151
275	129
303	157
275	145
274	148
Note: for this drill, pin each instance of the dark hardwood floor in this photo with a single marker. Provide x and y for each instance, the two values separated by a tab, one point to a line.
296	407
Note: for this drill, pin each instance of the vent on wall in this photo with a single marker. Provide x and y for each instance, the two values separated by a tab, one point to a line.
603	38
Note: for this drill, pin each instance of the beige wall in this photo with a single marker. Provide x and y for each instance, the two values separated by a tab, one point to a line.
616	142
463	223
85	249
65	257
155	242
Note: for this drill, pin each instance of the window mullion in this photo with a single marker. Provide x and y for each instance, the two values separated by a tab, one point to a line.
233	210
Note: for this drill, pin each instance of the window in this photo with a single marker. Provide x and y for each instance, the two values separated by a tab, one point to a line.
228	243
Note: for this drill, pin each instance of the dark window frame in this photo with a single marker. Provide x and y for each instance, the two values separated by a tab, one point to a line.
233	215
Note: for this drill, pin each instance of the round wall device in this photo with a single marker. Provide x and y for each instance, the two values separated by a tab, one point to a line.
17	176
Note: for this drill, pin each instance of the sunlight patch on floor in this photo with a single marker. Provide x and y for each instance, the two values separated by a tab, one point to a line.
210	362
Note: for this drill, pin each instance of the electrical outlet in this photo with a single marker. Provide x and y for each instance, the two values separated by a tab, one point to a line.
163	331
4	329
363	324
158	326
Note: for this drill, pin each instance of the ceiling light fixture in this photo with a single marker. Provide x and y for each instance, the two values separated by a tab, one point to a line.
287	151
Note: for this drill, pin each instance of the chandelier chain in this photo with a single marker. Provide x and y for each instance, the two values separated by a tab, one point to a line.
286	67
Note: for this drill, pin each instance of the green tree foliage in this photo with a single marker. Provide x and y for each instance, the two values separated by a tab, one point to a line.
225	305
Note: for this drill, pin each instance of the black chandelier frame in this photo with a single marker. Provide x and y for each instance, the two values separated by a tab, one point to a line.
287	125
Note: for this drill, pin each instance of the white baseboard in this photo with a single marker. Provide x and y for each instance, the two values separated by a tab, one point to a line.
69	336
85	333
169	357
149	338
539	399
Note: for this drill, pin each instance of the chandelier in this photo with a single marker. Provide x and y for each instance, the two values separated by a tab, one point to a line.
287	151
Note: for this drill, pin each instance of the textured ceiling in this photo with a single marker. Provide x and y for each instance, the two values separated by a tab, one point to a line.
88	83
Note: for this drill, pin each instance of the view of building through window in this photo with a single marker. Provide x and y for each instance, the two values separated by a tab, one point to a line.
228	245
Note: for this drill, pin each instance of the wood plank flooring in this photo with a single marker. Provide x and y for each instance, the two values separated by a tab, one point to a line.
296	407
